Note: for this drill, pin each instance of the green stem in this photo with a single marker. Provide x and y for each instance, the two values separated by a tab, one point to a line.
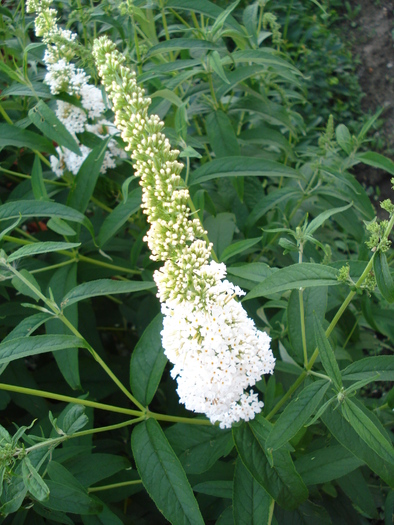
108	265
176	419
69	399
102	363
23	176
288	394
115	485
54	266
73	256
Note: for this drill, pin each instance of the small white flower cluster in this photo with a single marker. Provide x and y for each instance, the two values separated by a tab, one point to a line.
63	76
216	350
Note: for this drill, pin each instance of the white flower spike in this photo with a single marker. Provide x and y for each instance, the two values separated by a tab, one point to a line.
216	350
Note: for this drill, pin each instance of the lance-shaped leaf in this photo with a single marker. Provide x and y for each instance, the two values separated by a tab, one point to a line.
163	476
86	178
11	135
252	504
26	208
37	181
276	472
350	439
383	276
303	275
41	247
103	287
327	354
46	121
148	362
33	481
117	218
368	431
296	414
320	219
198	447
241	167
381	367
38	344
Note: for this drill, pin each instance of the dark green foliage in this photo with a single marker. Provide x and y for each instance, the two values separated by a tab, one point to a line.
269	129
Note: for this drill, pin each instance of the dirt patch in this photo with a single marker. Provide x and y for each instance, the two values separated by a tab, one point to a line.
372	37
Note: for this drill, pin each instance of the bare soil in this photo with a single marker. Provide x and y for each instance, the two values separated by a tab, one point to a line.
372	40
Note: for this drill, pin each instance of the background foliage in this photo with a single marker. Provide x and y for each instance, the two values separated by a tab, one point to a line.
244	97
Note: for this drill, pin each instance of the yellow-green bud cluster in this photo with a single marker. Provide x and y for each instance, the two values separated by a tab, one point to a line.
173	236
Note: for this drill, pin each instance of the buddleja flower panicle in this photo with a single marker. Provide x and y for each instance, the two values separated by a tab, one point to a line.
216	350
63	76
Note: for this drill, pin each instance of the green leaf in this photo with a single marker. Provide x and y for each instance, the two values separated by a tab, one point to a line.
369	367
65	498
163	476
238	247
307	513
327	354
180	44
103	287
344	138
377	161
33	481
86	178
41	247
241	167
221	135
268	111
37	181
105	517
389	508
199	447
63	280
37	89
313	300
220	231
252	504
322	217
269	202
326	464
117	218
383	276
266	56
22	138
256	272
302	275
93	468
367	431
357	490
220	20
22	287
47	122
203	7
27	327
296	414
61	227
30	208
218	489
168	95
38	344
349	438
148	362
280	480
216	66
75	419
